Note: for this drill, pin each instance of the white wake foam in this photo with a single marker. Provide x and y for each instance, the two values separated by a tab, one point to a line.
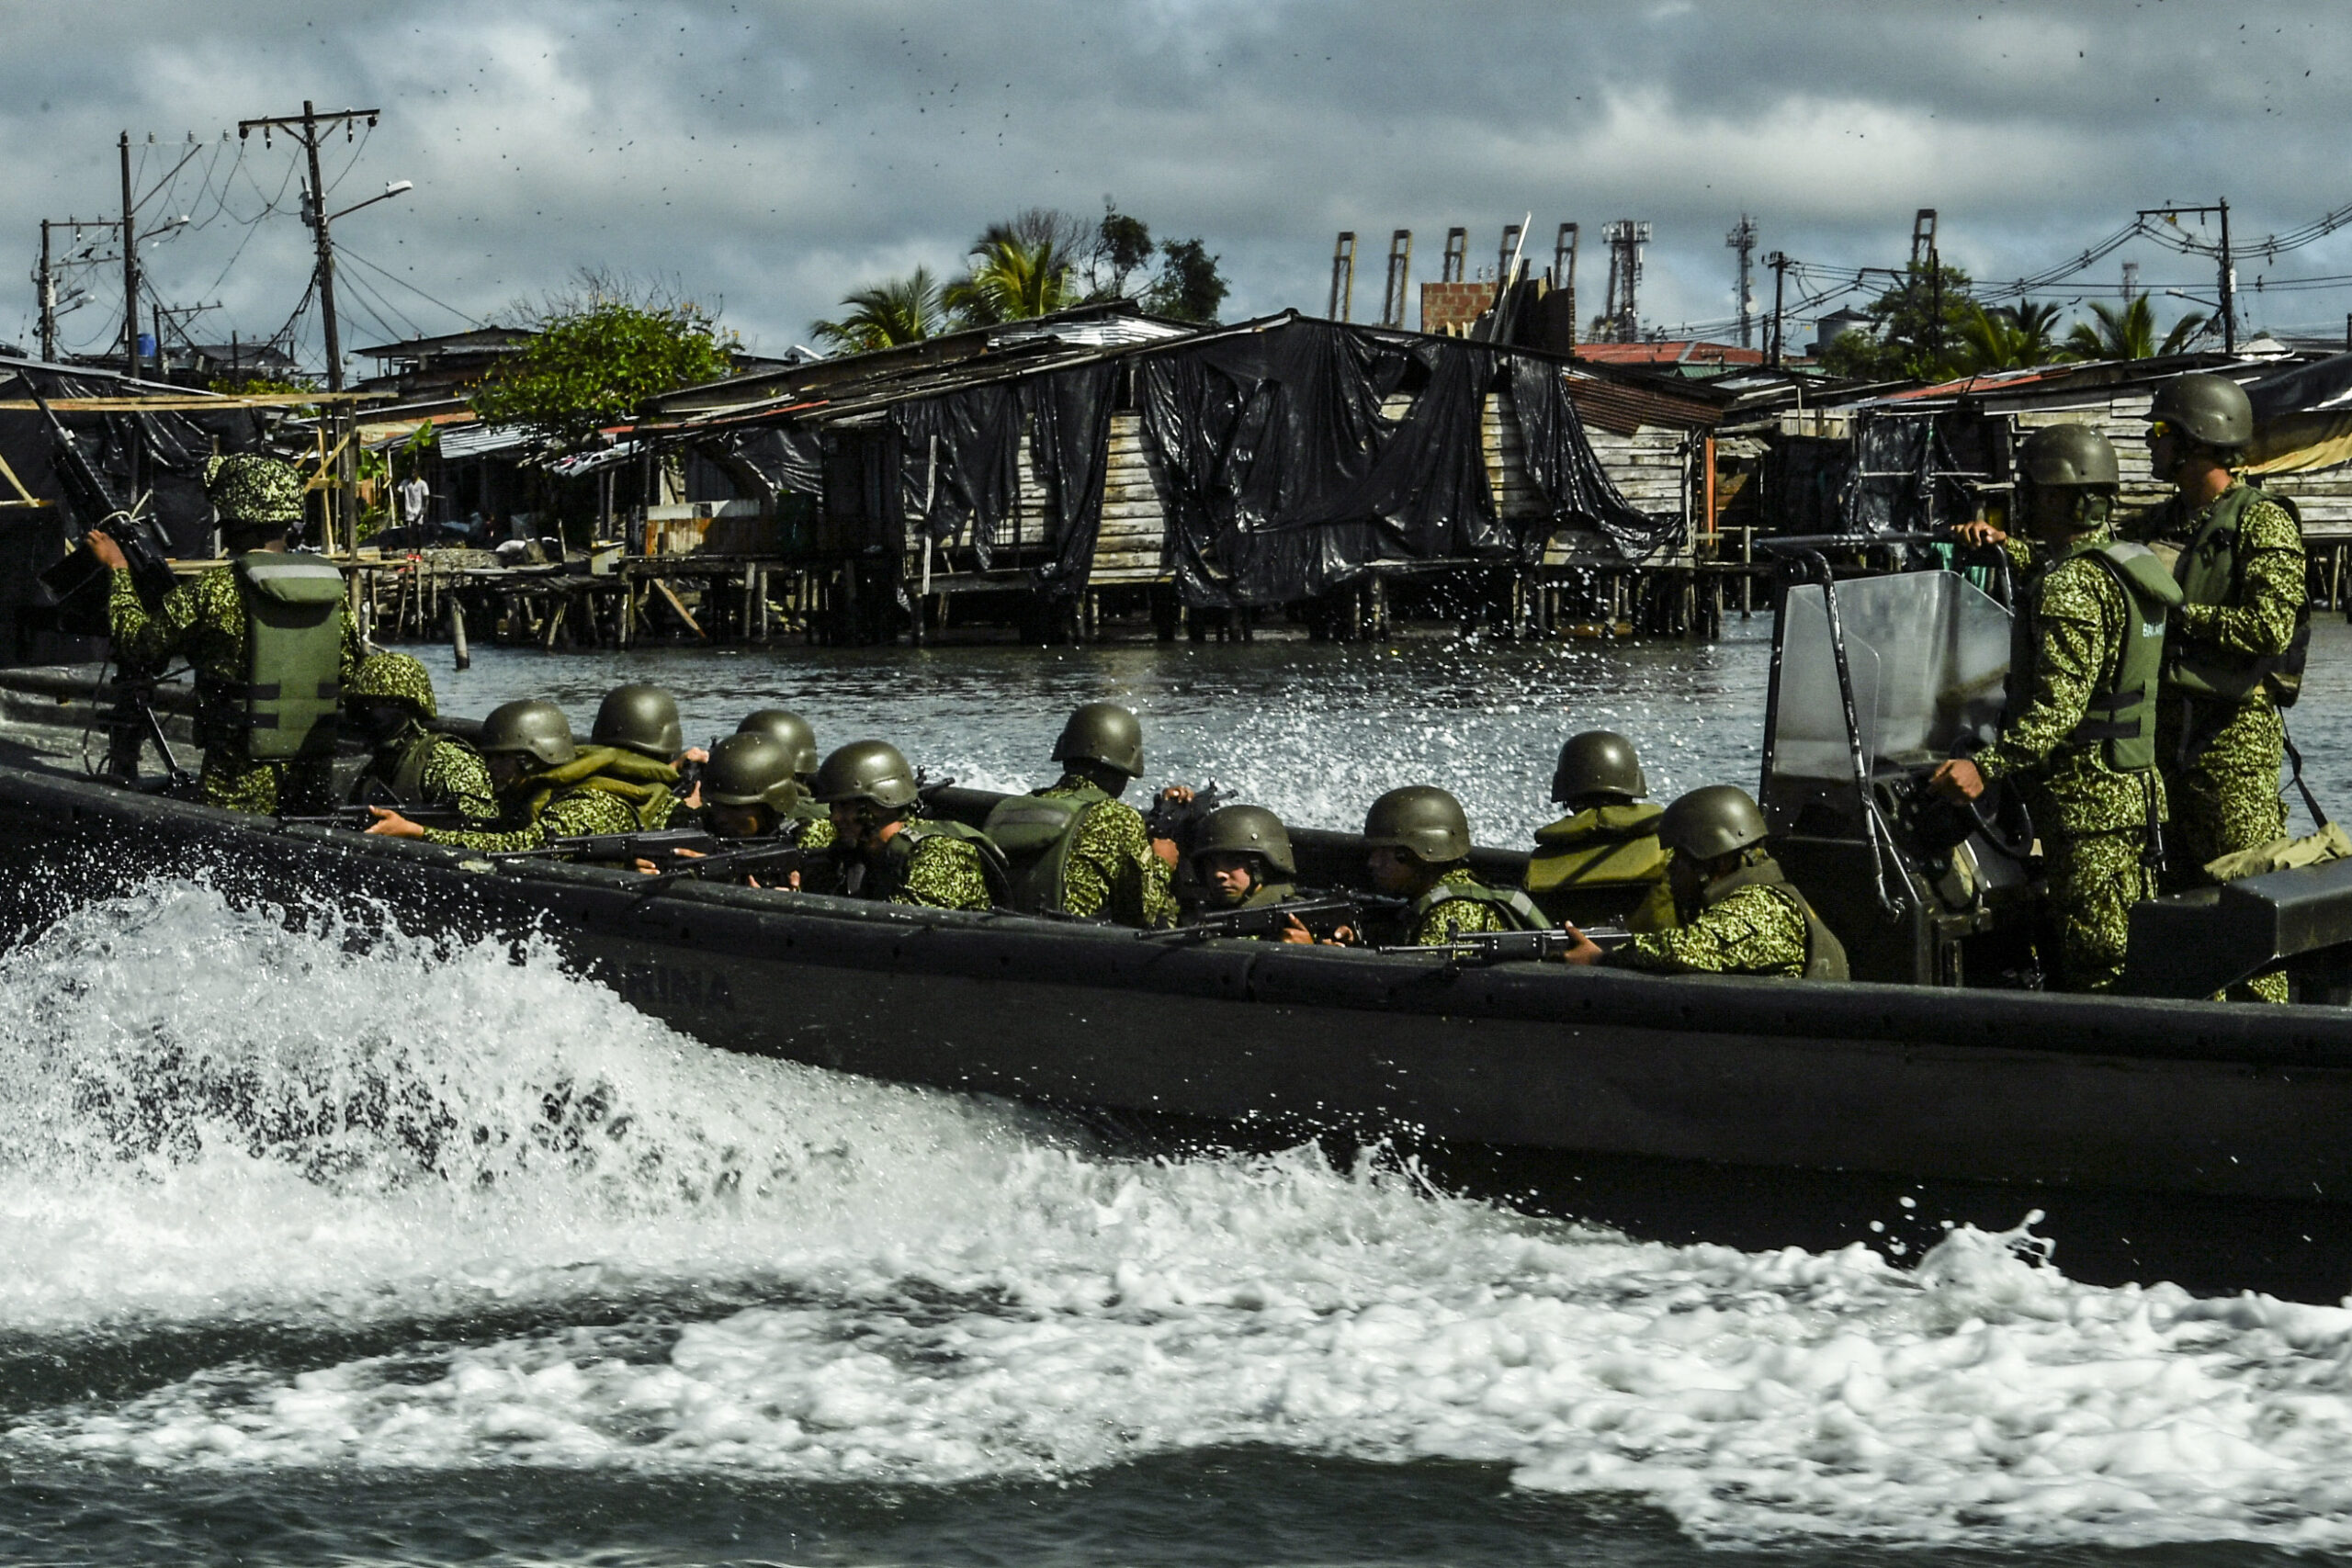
211	1118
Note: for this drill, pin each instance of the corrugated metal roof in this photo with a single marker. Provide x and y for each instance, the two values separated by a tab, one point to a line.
1624	408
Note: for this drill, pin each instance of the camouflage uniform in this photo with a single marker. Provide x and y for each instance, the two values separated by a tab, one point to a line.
2220	760
1464	917
1112	864
602	791
2093	817
1751	930
417	766
204	621
939	871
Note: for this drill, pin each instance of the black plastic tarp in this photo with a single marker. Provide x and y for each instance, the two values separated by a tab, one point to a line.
1284	479
1069	445
961	463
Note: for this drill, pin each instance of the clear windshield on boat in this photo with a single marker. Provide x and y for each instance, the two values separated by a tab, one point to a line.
1928	651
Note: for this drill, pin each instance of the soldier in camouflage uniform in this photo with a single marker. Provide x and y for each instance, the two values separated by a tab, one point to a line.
210	620
390	699
888	853
1601	863
1416	842
2236	643
794	733
2078	730
1076	848
1740	914
551	787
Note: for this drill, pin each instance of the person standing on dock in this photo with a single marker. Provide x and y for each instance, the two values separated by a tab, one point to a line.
2078	730
1740	914
1074	846
268	637
1606	849
1417	843
389	701
2235	652
884	850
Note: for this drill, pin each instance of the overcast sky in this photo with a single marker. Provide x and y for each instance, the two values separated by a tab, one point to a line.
770	156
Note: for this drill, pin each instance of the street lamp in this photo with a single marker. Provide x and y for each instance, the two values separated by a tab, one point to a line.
396	188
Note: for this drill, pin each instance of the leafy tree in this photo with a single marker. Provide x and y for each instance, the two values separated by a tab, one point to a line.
2128	333
599	354
1189	288
2009	338
1012	279
1917	332
1122	246
897	310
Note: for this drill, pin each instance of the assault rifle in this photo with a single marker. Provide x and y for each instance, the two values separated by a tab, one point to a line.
79	581
1177	819
362	817
1513	947
775	856
657	844
1321	915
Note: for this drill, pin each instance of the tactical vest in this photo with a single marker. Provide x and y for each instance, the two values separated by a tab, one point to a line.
2209	572
1035	833
402	784
885	876
1825	955
1518	909
293	605
2121	715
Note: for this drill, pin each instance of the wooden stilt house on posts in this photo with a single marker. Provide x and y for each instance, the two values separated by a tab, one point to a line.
1103	464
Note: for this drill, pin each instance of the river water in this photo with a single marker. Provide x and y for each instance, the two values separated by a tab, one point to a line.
317	1250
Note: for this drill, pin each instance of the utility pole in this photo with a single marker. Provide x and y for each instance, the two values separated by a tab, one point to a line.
2229	278
1742	238
1779	262
47	282
129	272
307	126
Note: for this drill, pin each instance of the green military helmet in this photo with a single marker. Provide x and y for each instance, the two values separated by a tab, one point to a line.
640	718
1599	763
1711	822
751	770
2071	457
533	727
254	491
1105	733
870	771
392	678
2212	410
1419	817
788	730
1246	830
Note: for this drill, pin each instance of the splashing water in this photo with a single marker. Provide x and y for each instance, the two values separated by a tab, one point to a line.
493	1217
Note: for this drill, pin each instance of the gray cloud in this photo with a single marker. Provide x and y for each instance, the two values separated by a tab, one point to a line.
775	155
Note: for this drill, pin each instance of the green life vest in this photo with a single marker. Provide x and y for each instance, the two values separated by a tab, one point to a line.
1035	833
1584	858
2121	715
395	775
641	784
294	660
2210	571
1517	907
1825	955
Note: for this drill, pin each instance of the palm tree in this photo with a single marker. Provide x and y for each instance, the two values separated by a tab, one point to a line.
897	310
2128	333
1012	279
2008	339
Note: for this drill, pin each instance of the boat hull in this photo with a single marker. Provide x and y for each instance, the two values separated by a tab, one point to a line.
2195	1142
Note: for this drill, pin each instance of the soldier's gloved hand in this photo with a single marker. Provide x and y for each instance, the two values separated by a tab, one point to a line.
391	824
1957	778
1585	953
109	554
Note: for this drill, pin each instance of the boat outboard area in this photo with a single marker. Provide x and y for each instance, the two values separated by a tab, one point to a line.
2157	1135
